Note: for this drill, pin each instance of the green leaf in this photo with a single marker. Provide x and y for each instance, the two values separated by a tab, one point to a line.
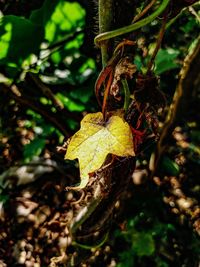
34	148
138	62
189	26
11	70
126	259
143	244
4	198
42	15
19	38
165	60
82	94
59	18
69	103
169	166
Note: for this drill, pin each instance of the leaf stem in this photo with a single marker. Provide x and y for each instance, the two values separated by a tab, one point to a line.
126	94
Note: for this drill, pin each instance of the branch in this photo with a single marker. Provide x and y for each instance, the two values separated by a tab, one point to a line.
144	11
46	91
188	76
158	44
29	102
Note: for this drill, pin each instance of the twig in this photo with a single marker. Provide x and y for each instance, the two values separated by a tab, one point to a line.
50	116
68	38
47	91
158	44
144	11
193	12
176	16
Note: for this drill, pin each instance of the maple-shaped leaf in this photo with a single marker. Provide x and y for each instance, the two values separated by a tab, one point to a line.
95	140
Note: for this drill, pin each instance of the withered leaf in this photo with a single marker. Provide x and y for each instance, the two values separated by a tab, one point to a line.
95	140
125	68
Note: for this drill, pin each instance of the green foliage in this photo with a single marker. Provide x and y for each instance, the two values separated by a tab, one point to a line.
42	41
53	22
19	38
3	198
169	166
42	132
143	244
165	60
189	25
58	19
34	148
70	104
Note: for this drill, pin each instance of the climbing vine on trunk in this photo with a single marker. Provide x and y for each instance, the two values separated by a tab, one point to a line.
129	100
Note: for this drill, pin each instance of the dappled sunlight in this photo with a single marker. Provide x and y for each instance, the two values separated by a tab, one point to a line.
5	40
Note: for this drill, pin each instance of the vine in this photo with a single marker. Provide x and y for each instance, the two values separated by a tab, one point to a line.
102	37
98	170
108	142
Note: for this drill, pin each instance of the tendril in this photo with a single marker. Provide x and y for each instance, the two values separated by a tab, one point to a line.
111	34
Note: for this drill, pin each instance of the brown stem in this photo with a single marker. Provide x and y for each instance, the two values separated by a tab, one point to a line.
106	94
158	44
144	11
47	114
46	91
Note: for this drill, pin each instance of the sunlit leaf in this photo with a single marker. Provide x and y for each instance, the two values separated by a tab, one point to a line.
69	103
19	37
96	139
58	18
5	39
56	57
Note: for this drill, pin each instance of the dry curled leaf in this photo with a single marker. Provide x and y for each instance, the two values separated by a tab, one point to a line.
124	68
95	140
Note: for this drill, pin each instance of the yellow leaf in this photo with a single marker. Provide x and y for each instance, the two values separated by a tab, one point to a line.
96	139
